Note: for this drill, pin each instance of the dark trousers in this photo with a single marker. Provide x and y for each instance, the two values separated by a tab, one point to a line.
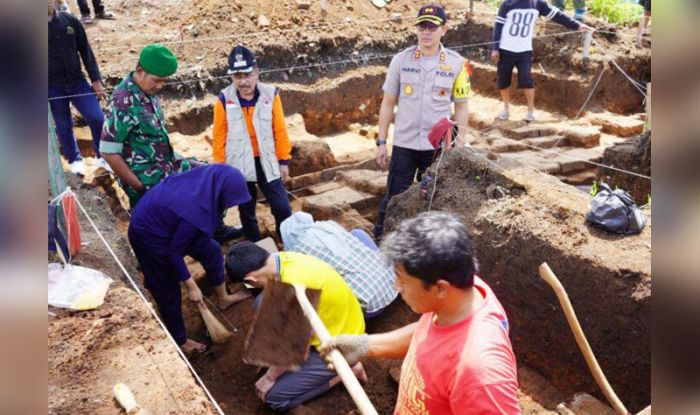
87	106
405	163
160	276
85	9
294	388
276	196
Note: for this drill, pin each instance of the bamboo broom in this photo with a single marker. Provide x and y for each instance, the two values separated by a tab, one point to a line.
218	332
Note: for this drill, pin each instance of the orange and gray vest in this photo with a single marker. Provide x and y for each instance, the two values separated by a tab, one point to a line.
239	149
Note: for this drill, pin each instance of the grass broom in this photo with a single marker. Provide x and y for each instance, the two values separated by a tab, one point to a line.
218	332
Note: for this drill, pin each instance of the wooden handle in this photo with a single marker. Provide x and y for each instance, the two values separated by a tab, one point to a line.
551	279
341	365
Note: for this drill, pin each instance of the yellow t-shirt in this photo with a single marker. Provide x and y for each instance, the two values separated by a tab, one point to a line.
338	307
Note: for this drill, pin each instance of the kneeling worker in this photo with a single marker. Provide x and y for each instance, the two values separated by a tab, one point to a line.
338	309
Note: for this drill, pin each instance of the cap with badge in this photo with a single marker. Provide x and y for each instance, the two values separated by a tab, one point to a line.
158	60
431	14
241	60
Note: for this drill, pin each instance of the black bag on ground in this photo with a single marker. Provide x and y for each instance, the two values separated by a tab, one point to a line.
615	211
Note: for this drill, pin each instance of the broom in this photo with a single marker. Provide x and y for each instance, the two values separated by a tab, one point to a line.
218	332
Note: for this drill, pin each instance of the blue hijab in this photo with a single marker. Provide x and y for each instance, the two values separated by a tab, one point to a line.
200	195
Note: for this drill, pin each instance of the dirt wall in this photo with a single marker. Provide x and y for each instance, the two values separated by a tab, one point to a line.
608	277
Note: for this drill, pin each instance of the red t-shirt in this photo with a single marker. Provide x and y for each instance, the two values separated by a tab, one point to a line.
465	368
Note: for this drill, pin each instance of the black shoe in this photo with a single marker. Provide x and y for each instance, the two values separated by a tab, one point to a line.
227	233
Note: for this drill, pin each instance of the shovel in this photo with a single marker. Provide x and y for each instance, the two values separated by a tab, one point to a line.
280	336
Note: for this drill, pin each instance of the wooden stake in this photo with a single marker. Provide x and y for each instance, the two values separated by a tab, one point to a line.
551	279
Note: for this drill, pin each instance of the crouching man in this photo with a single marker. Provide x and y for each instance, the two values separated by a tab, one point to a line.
338	309
458	357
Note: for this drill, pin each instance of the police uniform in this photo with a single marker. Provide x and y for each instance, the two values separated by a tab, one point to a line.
426	87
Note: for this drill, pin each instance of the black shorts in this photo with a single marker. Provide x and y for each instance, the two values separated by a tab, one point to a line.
509	60
646	4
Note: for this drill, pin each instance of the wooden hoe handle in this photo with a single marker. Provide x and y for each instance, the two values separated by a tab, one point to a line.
341	365
551	279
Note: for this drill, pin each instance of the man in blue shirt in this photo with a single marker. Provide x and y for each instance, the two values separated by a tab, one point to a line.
68	46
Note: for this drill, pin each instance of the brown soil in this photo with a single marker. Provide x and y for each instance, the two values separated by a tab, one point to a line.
91	351
288	42
608	277
633	155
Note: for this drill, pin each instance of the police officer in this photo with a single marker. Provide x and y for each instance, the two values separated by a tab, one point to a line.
250	133
424	80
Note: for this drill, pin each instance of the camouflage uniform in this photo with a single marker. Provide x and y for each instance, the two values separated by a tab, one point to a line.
135	129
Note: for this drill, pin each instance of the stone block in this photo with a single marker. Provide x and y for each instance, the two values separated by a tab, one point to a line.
618	125
583	136
370	181
547	141
341	196
529	131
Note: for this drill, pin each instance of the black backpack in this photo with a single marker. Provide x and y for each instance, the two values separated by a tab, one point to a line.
615	211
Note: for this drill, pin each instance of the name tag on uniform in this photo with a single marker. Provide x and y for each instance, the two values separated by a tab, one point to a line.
410	70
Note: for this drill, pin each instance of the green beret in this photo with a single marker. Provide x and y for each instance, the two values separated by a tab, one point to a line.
158	60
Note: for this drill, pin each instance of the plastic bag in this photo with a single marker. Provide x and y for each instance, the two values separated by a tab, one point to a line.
77	288
615	211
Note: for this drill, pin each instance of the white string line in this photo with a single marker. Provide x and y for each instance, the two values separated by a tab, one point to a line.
310	27
355	60
277	31
638	85
148	305
611	167
580	111
520	142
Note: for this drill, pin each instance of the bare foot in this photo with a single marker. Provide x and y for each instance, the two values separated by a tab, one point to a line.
231	299
359	372
191	347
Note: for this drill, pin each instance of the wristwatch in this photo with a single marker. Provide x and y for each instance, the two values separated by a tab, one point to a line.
380	142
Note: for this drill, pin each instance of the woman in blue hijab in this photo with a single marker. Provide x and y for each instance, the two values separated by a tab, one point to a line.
178	217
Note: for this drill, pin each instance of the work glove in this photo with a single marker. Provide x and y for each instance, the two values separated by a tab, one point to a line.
353	348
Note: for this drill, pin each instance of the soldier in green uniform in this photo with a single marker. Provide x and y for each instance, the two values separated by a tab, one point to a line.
135	140
134	137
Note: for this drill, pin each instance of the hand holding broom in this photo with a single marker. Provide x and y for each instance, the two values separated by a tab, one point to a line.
218	332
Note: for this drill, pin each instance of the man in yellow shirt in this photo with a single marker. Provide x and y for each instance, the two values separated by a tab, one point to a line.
338	308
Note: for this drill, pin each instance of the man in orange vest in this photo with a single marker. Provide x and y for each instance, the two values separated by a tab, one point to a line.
250	133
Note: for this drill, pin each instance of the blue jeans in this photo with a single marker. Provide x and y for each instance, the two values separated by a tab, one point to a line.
87	106
276	196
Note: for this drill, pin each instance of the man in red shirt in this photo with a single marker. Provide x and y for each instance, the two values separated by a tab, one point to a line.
458	357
